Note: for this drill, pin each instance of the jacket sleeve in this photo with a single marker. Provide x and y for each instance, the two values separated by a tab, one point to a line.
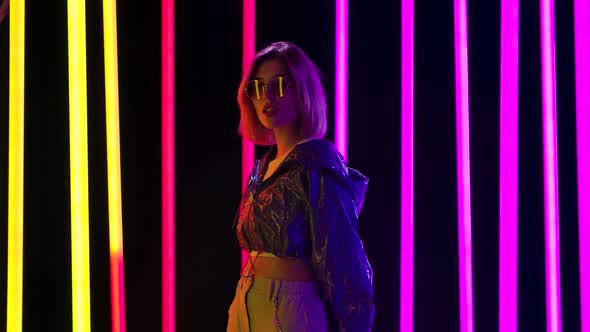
338	257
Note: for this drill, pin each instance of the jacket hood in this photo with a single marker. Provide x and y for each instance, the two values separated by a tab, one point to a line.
323	154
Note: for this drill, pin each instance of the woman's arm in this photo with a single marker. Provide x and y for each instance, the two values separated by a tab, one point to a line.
338	256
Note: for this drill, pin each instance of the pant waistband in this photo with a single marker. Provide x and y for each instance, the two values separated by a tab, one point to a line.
278	268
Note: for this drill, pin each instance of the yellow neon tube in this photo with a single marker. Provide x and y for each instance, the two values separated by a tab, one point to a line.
78	166
114	166
14	290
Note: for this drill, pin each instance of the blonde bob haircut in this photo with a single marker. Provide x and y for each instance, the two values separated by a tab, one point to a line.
308	86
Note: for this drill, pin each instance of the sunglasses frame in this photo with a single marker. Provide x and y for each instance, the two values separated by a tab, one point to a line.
285	83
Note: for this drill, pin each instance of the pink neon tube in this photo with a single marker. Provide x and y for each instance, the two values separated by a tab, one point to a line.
168	257
463	172
508	246
552	283
117	292
407	180
248	39
582	51
342	77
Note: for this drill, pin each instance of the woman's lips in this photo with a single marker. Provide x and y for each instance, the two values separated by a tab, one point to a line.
269	111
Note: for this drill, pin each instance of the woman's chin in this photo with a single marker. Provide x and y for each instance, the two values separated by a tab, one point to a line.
270	124
267	125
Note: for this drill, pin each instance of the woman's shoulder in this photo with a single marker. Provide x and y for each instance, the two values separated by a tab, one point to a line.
318	153
320	157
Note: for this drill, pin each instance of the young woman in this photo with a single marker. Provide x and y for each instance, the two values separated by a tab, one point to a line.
307	269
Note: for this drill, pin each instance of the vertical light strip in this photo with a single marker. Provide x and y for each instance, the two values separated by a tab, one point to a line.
552	274
463	171
407	180
78	166
168	255
248	49
508	232
111	80
16	146
582	52
342	77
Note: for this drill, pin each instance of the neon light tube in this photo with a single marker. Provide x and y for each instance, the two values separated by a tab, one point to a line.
582	53
552	275
463	171
248	39
407	180
342	77
114	166
168	254
16	140
508	232
78	166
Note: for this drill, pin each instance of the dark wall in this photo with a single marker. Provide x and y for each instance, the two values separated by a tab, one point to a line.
208	157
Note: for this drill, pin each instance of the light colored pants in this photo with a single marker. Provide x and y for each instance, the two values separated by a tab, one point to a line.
267	305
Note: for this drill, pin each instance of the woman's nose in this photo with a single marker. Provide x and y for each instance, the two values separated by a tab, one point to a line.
264	101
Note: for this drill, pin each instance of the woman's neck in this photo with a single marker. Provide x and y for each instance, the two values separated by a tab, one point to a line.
285	139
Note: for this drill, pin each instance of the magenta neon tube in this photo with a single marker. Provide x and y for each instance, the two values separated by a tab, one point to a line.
582	53
248	50
168	255
407	180
463	172
248	38
342	77
552	276
508	232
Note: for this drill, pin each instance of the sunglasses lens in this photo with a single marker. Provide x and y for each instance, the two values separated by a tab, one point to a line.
253	90
276	87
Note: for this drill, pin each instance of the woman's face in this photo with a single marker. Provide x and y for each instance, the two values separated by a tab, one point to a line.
277	106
